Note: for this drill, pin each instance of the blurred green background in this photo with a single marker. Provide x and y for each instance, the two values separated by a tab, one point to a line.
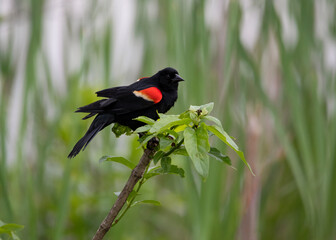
269	66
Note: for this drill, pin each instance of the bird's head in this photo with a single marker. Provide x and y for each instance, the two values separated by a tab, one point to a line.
169	78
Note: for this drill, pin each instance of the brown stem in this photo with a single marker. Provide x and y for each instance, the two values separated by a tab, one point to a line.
136	175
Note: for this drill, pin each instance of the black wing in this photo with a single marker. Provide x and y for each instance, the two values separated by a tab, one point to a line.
122	100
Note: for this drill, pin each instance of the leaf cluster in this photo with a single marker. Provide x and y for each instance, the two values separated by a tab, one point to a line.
186	134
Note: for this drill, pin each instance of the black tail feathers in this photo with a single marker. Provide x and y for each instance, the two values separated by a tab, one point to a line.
96	107
98	124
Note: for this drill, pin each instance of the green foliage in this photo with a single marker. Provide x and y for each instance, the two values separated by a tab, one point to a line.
216	154
197	146
191	130
121	160
10	230
153	202
119	130
146	120
186	134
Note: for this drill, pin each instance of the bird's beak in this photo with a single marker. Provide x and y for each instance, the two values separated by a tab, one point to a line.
177	78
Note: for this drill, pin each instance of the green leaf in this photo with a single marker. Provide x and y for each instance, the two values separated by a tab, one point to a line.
152	172
206	108
158	155
121	160
166	163
154	202
119	130
184	114
203	137
197	145
146	120
12	227
213	119
194	117
222	135
172	133
181	151
165	143
176	170
216	154
144	139
166	122
180	128
2	230
172	169
143	129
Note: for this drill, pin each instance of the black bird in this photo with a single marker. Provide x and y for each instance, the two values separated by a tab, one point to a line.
145	97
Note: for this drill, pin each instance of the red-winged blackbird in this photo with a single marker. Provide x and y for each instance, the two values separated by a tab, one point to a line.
145	97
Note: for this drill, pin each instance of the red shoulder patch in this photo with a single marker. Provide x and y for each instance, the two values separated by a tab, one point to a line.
150	94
